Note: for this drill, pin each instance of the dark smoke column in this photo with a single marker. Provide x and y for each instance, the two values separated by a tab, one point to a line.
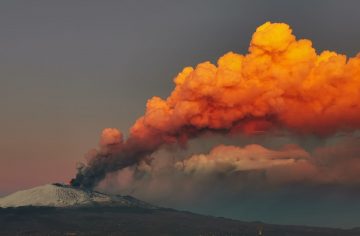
114	154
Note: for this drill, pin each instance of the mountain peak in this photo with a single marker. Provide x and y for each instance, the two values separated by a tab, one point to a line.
62	195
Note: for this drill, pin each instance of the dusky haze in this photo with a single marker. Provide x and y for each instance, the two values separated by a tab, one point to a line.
69	69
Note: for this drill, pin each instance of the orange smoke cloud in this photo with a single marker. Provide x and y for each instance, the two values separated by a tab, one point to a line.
111	136
282	82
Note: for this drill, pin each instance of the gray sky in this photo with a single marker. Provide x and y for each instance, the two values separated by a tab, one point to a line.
68	69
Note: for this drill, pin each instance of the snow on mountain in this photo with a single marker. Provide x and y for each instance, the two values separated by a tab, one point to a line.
61	195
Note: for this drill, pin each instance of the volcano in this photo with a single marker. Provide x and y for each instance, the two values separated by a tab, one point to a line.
60	209
62	195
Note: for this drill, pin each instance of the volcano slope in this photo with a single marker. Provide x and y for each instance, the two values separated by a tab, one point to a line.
62	210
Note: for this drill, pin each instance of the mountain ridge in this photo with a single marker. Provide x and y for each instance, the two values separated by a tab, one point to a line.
62	195
60	209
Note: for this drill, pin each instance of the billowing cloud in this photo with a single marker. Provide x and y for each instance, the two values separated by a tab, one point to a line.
229	159
337	164
111	136
281	83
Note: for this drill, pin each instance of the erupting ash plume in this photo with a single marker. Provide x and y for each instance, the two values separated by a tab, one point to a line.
281	83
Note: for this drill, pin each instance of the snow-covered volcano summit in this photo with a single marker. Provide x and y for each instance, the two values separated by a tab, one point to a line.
60	195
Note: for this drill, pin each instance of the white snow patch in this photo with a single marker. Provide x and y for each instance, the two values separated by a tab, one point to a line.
59	195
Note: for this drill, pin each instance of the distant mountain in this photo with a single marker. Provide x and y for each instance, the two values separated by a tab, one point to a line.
61	195
57	209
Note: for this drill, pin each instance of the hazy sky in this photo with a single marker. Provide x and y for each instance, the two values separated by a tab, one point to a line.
68	69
